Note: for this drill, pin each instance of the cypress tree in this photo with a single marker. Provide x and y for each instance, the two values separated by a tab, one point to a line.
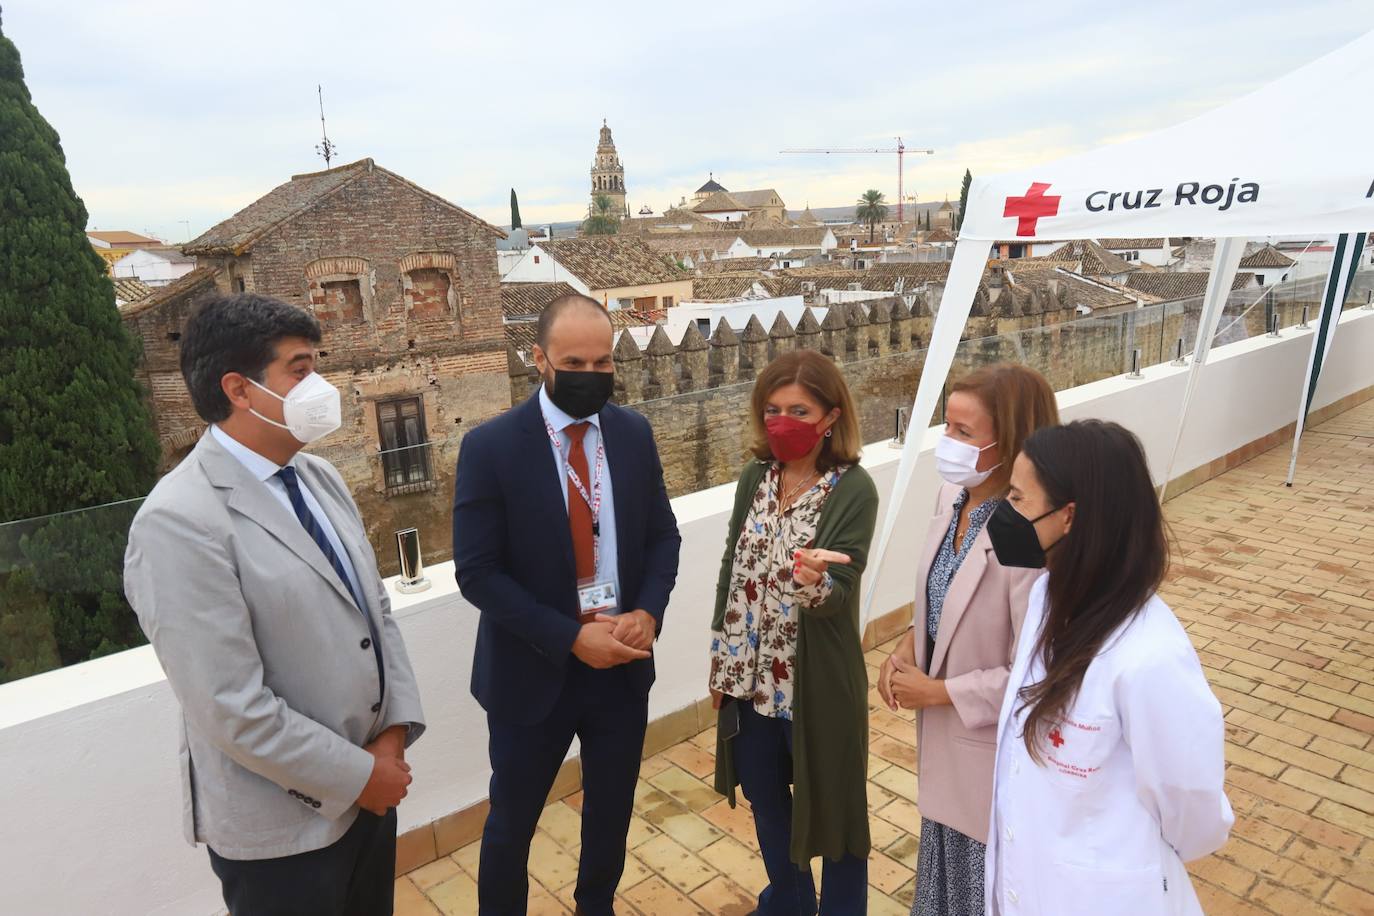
74	429
963	200
514	211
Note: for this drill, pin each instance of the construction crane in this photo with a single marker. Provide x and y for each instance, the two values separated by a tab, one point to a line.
901	150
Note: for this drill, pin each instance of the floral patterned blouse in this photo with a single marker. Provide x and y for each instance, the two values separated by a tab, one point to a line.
951	557
754	657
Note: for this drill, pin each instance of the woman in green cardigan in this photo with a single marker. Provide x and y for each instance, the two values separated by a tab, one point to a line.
787	666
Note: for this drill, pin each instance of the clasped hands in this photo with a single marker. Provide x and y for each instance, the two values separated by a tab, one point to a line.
609	641
390	777
902	684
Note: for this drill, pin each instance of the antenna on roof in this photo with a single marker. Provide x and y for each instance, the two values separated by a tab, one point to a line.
325	148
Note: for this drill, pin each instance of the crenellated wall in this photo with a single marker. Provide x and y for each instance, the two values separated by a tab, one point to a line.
696	393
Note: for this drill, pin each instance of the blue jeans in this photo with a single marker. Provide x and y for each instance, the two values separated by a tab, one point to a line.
763	762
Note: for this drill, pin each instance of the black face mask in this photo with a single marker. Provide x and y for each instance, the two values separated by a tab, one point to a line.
1014	539
580	394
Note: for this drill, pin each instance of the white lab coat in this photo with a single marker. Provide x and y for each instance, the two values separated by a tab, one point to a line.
1131	787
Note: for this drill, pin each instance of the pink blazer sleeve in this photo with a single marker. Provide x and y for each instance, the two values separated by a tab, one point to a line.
977	695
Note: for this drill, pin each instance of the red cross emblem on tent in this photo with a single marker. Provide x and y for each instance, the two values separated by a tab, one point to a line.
1031	207
1056	738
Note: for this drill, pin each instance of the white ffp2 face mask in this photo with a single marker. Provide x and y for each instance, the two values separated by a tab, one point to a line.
312	409
957	462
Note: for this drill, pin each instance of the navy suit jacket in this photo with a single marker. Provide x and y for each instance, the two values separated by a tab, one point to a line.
513	553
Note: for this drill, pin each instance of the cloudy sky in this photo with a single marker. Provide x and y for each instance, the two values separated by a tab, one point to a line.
174	114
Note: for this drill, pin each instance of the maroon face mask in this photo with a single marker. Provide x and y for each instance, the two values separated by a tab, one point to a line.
790	438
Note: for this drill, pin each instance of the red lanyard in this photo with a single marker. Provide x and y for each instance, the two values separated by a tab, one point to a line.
593	498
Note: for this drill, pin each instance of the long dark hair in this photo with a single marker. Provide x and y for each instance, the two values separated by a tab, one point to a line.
1105	569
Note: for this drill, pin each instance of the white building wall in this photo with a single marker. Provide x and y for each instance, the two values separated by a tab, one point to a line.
152	268
736	313
728	216
535	266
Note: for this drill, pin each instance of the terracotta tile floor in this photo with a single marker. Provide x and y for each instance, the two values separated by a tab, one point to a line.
1276	587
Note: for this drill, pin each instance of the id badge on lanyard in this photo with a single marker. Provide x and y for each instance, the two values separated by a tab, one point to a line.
594	595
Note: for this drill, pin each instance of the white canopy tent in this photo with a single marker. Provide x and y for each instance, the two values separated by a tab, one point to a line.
1222	175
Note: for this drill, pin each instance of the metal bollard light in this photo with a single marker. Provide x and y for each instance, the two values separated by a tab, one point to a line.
412	565
1178	359
899	433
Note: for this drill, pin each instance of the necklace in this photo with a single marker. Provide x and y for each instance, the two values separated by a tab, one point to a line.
789	495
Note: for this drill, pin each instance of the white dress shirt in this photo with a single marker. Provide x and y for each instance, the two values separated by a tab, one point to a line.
265	469
608	566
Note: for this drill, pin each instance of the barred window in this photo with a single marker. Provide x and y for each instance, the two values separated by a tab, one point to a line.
405	446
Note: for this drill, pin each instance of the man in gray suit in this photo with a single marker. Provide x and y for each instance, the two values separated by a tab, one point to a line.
251	573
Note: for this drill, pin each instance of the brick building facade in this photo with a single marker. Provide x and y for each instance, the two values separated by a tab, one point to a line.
406	288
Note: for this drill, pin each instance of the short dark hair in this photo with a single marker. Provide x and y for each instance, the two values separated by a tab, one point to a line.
236	333
557	307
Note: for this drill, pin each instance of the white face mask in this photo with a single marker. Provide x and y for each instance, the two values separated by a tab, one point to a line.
957	462
312	409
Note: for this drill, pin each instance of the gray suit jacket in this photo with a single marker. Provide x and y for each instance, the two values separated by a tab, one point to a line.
265	650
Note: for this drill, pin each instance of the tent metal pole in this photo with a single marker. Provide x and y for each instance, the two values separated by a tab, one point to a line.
1225	263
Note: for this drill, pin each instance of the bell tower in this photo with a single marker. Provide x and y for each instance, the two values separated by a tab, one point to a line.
608	176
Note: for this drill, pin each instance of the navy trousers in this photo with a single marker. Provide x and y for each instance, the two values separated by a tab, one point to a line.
609	720
763	762
353	877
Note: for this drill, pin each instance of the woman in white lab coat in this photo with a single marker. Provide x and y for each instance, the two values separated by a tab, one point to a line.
1110	761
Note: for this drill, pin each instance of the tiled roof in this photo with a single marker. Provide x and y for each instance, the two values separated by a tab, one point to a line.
635	318
719	202
1096	260
168	253
939	235
724	286
1266	257
607	261
733	265
521	335
1179	284
121	239
799	253
520	299
793	238
670	221
200	278
761	198
1122	244
919	272
711	186
237	234
691	242
128	290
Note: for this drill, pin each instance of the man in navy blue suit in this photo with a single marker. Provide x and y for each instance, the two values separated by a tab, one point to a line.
564	539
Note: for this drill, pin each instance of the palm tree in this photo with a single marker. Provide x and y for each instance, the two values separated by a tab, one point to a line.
603	219
871	210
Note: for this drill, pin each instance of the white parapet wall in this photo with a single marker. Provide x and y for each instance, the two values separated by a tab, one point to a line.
88	753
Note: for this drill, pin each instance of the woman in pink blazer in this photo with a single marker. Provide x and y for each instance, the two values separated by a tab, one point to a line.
953	663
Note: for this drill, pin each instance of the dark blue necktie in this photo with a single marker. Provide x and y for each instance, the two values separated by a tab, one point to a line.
312	526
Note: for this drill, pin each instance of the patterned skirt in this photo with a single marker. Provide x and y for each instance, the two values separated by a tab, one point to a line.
949	873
